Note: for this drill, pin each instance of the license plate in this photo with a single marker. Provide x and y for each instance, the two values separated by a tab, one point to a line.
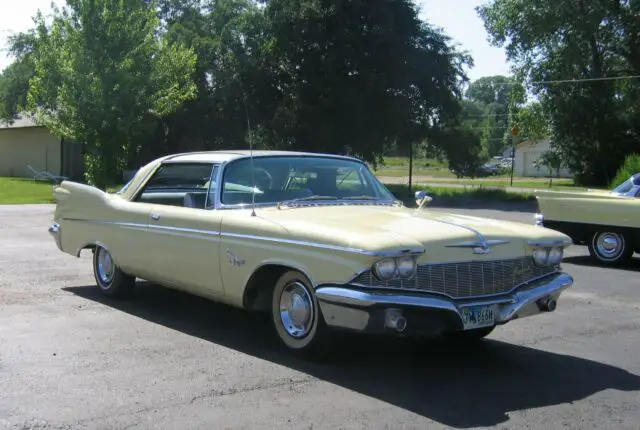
478	316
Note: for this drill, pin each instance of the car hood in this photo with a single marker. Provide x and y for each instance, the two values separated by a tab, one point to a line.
445	236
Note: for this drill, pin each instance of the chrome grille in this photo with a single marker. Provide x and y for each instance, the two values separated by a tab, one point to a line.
465	279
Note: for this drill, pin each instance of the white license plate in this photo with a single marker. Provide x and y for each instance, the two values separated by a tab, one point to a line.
478	316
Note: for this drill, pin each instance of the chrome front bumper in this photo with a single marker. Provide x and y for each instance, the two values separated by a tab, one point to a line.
362	310
56	231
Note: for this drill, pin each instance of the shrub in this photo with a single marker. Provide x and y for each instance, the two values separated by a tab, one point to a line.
630	167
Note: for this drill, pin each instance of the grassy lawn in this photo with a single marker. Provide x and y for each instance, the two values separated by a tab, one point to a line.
445	194
20	191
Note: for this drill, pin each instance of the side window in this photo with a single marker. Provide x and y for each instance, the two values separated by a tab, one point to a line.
181	184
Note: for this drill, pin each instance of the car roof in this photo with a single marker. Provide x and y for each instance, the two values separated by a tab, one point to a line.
222	156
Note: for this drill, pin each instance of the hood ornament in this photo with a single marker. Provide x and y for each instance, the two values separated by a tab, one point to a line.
481	246
422	199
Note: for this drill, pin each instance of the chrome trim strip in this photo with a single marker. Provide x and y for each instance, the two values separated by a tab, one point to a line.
479	244
554	242
516	305
398	253
477	233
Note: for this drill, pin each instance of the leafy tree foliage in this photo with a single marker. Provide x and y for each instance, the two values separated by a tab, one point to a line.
103	77
14	80
595	121
319	75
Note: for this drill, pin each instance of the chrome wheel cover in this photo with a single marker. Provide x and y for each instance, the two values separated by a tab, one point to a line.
105	266
296	310
609	245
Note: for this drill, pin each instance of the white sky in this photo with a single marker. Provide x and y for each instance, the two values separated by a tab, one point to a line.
460	22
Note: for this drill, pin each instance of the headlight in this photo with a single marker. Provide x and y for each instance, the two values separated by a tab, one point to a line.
386	269
541	256
406	266
555	255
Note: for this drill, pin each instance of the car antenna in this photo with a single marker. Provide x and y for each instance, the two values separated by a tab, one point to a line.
253	179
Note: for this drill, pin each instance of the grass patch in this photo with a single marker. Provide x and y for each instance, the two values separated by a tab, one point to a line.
452	195
15	191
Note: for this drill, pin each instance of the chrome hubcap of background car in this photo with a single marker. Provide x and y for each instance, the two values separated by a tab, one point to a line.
296	310
105	266
609	245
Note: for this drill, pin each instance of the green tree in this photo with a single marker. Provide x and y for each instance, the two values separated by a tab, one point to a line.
103	76
595	121
14	79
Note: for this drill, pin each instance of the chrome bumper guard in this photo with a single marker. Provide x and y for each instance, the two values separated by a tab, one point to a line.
357	309
55	231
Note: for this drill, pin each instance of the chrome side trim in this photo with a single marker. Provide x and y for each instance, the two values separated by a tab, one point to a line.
519	304
339	248
327	246
556	242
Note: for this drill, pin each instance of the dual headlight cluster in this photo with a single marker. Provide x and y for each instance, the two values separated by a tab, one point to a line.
548	256
404	267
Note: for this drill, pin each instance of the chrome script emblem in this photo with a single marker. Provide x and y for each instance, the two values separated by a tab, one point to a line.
480	247
234	260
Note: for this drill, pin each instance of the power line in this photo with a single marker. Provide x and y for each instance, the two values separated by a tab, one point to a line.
568	81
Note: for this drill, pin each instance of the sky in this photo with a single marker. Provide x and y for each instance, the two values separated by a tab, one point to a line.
461	23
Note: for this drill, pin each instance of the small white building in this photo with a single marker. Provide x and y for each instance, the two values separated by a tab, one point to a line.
527	153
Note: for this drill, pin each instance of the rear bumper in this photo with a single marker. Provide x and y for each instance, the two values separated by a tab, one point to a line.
55	231
356	309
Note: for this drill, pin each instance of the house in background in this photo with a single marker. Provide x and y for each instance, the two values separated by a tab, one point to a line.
24	143
527	153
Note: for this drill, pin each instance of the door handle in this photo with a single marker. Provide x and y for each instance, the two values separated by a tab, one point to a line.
155	216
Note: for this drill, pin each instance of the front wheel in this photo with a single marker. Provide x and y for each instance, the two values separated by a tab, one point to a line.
297	317
610	247
111	280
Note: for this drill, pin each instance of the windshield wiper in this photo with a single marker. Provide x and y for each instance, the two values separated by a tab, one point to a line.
308	198
360	198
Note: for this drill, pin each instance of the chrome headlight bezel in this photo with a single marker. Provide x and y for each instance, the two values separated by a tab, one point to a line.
555	255
401	267
548	256
385	269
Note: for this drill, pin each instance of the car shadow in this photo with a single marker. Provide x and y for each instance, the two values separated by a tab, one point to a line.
632	265
473	386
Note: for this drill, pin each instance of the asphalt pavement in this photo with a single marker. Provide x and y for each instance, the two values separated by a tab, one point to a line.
70	358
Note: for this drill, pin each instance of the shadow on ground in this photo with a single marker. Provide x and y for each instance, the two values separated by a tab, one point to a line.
587	261
474	386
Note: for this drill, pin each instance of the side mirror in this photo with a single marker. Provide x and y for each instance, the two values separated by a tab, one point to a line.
422	199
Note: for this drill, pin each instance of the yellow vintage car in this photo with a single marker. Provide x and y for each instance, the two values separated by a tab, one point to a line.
606	222
316	241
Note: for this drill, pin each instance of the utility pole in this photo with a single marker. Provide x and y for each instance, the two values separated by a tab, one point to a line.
515	131
410	165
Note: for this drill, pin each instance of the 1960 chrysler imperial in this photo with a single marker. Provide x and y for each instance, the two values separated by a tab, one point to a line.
314	240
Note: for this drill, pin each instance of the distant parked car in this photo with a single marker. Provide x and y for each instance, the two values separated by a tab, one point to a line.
316	242
607	222
479	172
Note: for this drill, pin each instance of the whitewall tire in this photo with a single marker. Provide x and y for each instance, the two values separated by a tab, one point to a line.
296	316
111	280
610	247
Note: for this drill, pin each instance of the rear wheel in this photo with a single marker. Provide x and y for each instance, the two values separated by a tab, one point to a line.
111	280
610	247
297	317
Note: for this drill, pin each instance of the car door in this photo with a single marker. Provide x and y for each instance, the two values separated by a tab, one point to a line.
184	229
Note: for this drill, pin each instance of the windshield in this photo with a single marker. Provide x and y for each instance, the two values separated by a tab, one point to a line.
285	178
627	188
